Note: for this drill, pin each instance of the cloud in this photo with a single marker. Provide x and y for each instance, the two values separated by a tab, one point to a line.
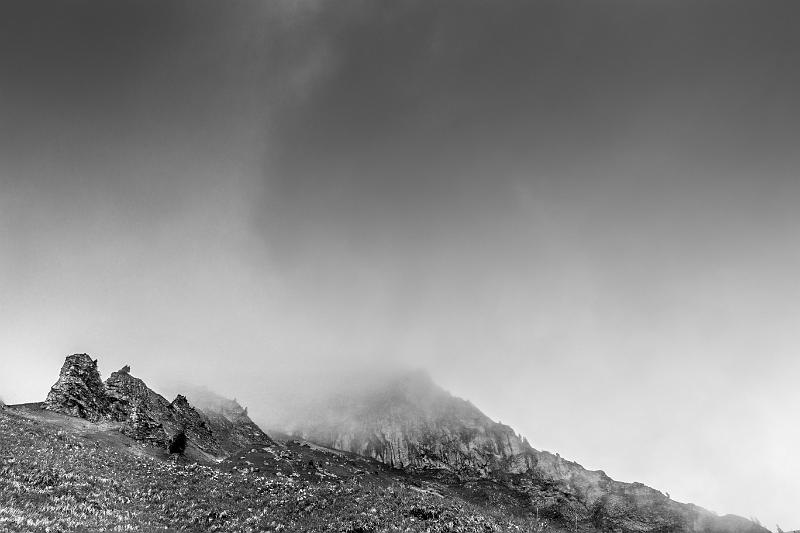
554	207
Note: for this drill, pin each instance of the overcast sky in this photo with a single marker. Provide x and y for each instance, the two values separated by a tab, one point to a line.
583	216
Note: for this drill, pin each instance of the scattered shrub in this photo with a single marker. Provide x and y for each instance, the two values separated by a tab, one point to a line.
178	443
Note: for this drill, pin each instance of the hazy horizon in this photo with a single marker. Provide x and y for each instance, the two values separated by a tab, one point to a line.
581	216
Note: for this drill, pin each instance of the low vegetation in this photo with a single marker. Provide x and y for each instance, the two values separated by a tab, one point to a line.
53	479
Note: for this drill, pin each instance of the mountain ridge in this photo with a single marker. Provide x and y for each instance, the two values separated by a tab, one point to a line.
412	424
424	439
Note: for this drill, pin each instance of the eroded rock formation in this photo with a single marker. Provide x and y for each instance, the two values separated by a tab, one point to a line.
143	412
79	390
145	415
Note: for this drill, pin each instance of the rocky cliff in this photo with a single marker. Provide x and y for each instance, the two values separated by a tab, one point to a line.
142	413
410	423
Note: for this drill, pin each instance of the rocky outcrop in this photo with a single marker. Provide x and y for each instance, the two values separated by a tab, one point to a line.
229	421
197	427
143	412
410	423
145	415
148	416
79	390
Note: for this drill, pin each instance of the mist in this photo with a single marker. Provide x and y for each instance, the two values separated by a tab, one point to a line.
581	217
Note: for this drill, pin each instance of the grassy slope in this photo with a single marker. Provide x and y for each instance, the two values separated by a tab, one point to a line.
63	474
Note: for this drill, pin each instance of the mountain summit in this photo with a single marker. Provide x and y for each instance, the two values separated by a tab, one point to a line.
410	423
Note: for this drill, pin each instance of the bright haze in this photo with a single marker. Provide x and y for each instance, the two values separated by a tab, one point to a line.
582	216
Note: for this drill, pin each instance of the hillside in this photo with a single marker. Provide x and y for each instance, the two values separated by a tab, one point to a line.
94	456
400	455
60	473
409	423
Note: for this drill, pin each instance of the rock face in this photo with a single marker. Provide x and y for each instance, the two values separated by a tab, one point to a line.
148	416
410	423
197	426
229	420
79	390
144	414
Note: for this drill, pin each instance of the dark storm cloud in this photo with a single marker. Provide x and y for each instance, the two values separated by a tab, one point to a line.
535	75
419	105
117	67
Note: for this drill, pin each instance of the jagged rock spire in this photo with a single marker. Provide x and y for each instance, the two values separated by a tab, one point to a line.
79	390
145	415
